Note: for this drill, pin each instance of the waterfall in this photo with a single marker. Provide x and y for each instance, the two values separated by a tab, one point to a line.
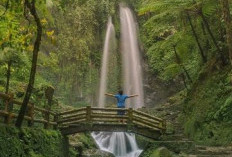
132	68
108	48
122	144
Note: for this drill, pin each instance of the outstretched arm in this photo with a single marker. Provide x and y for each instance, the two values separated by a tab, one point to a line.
109	94
130	96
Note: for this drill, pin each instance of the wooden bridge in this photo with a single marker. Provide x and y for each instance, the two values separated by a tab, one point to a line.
107	119
87	119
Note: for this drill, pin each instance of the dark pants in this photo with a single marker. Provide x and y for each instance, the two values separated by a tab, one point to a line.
121	112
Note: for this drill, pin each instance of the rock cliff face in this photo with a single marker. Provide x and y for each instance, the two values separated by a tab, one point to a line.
157	91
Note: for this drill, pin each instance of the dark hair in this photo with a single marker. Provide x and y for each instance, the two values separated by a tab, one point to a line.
120	92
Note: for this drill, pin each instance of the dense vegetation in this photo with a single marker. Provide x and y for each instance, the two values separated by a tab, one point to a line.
185	42
31	143
188	42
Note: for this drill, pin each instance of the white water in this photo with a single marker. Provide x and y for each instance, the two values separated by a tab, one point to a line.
132	68
122	144
108	48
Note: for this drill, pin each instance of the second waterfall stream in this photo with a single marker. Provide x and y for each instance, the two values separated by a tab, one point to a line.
119	143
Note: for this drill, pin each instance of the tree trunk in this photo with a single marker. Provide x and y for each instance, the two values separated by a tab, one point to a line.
207	46
32	9
185	84
8	76
213	38
227	19
197	39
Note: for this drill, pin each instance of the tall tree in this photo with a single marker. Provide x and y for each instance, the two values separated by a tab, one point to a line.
227	20
204	58
32	8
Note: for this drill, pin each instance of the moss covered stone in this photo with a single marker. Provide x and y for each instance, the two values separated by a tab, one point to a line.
161	152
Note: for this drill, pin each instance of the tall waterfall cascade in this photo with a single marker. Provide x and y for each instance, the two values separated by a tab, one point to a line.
122	144
132	68
108	48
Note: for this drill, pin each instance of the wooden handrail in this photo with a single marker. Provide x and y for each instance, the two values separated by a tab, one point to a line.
108	115
108	109
17	102
85	115
148	116
8	112
144	119
72	111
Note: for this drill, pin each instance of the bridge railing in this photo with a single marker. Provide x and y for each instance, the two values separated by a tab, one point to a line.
10	107
110	116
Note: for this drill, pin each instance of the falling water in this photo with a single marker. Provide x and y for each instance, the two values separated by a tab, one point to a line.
122	144
108	47
132	69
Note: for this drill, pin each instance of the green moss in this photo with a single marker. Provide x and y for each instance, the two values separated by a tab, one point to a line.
208	107
161	152
29	142
175	146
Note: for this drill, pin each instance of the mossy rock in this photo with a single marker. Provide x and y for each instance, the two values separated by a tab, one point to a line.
161	152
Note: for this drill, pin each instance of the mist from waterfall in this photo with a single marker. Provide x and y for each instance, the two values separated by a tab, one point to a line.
122	144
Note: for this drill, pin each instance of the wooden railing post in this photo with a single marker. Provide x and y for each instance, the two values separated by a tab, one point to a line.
49	91
164	126
8	109
130	116
30	122
47	119
88	113
56	118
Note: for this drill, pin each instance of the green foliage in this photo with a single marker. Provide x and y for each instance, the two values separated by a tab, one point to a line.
30	142
164	24
87	141
207	108
224	113
70	53
72	64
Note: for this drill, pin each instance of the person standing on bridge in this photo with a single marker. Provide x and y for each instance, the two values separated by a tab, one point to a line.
121	98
